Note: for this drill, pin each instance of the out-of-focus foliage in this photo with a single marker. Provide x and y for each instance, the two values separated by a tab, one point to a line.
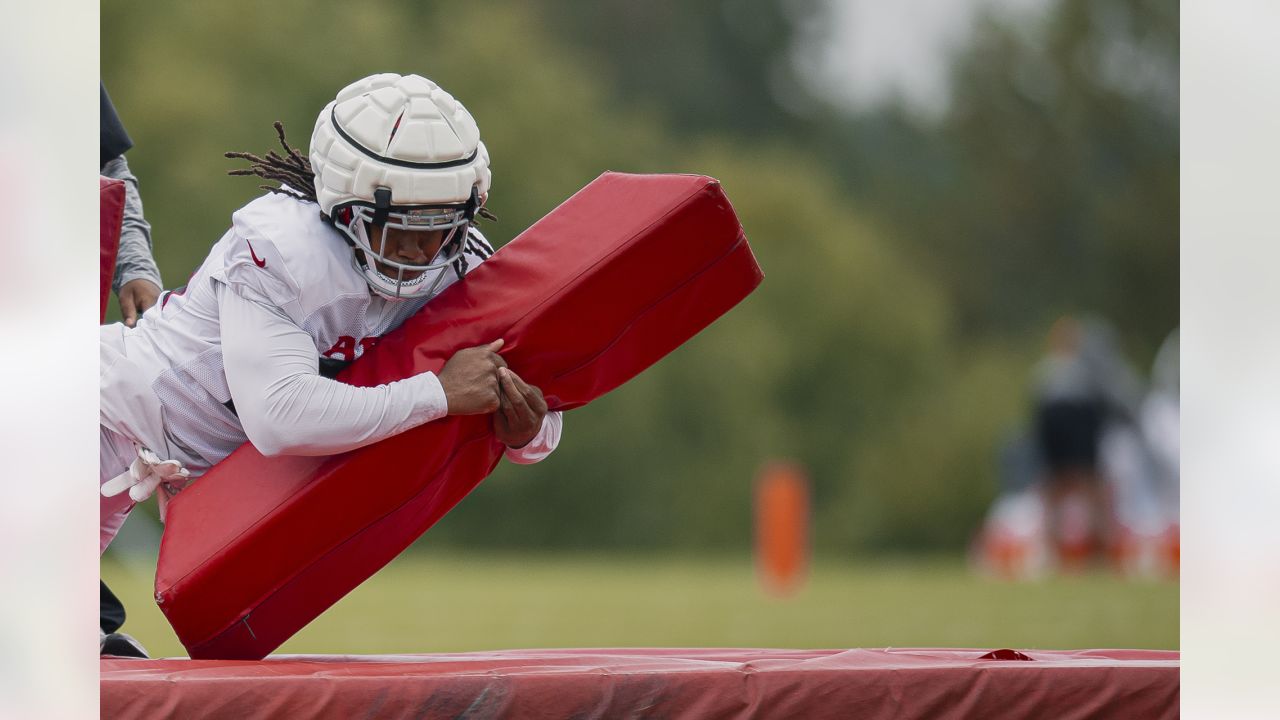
1051	183
905	264
722	66
1067	160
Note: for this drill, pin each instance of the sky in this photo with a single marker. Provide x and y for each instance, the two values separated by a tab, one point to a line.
870	51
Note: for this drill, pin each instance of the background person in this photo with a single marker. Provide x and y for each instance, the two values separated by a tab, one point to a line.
136	281
1081	387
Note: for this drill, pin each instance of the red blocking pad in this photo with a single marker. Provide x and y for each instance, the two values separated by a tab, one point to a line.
110	218
618	276
667	683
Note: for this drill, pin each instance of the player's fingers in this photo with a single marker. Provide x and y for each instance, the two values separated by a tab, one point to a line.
495	387
537	402
518	382
497	360
514	387
495	346
128	309
532	395
514	406
498	389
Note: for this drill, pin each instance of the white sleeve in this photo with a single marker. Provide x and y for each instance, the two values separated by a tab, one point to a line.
288	408
542	444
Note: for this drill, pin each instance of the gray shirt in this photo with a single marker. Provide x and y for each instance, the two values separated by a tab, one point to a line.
133	259
1094	372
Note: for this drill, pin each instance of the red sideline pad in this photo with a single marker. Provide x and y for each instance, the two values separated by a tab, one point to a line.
684	683
615	278
110	217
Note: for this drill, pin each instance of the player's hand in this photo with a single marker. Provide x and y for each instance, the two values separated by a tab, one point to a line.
470	379
522	408
135	297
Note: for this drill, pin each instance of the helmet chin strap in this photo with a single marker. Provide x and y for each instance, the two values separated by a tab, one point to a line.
382	205
473	204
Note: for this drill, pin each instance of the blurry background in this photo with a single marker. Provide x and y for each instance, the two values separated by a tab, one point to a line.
928	185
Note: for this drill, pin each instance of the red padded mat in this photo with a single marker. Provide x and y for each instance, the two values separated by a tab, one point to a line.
110	217
669	683
618	276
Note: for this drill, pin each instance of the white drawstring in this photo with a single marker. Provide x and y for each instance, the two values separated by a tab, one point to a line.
145	474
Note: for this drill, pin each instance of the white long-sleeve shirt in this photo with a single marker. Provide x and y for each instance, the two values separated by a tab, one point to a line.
287	408
234	355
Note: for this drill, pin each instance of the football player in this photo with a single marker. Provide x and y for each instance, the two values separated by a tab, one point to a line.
356	239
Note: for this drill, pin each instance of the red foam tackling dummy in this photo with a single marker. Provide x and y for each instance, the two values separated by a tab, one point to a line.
110	217
619	275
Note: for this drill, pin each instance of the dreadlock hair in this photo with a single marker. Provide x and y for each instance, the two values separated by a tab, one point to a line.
292	169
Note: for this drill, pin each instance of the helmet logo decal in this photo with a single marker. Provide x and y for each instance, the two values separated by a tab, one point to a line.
394	128
257	260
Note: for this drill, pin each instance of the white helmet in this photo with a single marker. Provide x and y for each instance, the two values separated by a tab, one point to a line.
397	151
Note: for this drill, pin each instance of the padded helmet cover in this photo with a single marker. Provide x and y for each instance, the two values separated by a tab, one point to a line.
398	151
401	132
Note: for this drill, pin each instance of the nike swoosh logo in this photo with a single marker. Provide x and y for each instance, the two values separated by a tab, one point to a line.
259	261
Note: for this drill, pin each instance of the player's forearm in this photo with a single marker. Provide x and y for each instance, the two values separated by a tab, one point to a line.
308	414
287	408
133	259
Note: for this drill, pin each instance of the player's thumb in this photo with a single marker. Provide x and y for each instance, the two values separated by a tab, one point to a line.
128	312
495	346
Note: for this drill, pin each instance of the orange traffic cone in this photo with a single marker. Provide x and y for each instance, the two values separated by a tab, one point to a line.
782	528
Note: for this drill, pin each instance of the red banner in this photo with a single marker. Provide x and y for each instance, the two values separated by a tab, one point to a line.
110	217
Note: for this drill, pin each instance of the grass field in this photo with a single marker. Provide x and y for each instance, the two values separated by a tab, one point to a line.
457	602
